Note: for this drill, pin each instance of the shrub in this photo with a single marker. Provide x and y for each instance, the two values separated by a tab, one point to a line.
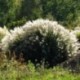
41	40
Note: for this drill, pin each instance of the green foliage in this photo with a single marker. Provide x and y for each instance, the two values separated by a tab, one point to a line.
14	70
66	12
3	10
9	9
41	40
16	23
14	10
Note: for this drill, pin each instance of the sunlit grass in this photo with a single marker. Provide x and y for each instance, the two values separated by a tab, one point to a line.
13	70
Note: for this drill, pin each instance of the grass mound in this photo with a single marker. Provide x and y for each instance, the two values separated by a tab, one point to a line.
41	40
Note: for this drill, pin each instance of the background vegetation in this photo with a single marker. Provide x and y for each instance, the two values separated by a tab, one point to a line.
17	12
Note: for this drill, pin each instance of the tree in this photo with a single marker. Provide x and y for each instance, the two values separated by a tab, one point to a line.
64	11
3	10
9	10
13	12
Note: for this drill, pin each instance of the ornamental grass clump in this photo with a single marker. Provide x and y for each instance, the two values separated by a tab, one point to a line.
76	32
41	40
3	32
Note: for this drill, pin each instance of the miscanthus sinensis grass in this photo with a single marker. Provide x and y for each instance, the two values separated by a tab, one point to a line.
76	32
3	32
52	38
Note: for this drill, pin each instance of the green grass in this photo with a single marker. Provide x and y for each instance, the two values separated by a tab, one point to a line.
13	70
